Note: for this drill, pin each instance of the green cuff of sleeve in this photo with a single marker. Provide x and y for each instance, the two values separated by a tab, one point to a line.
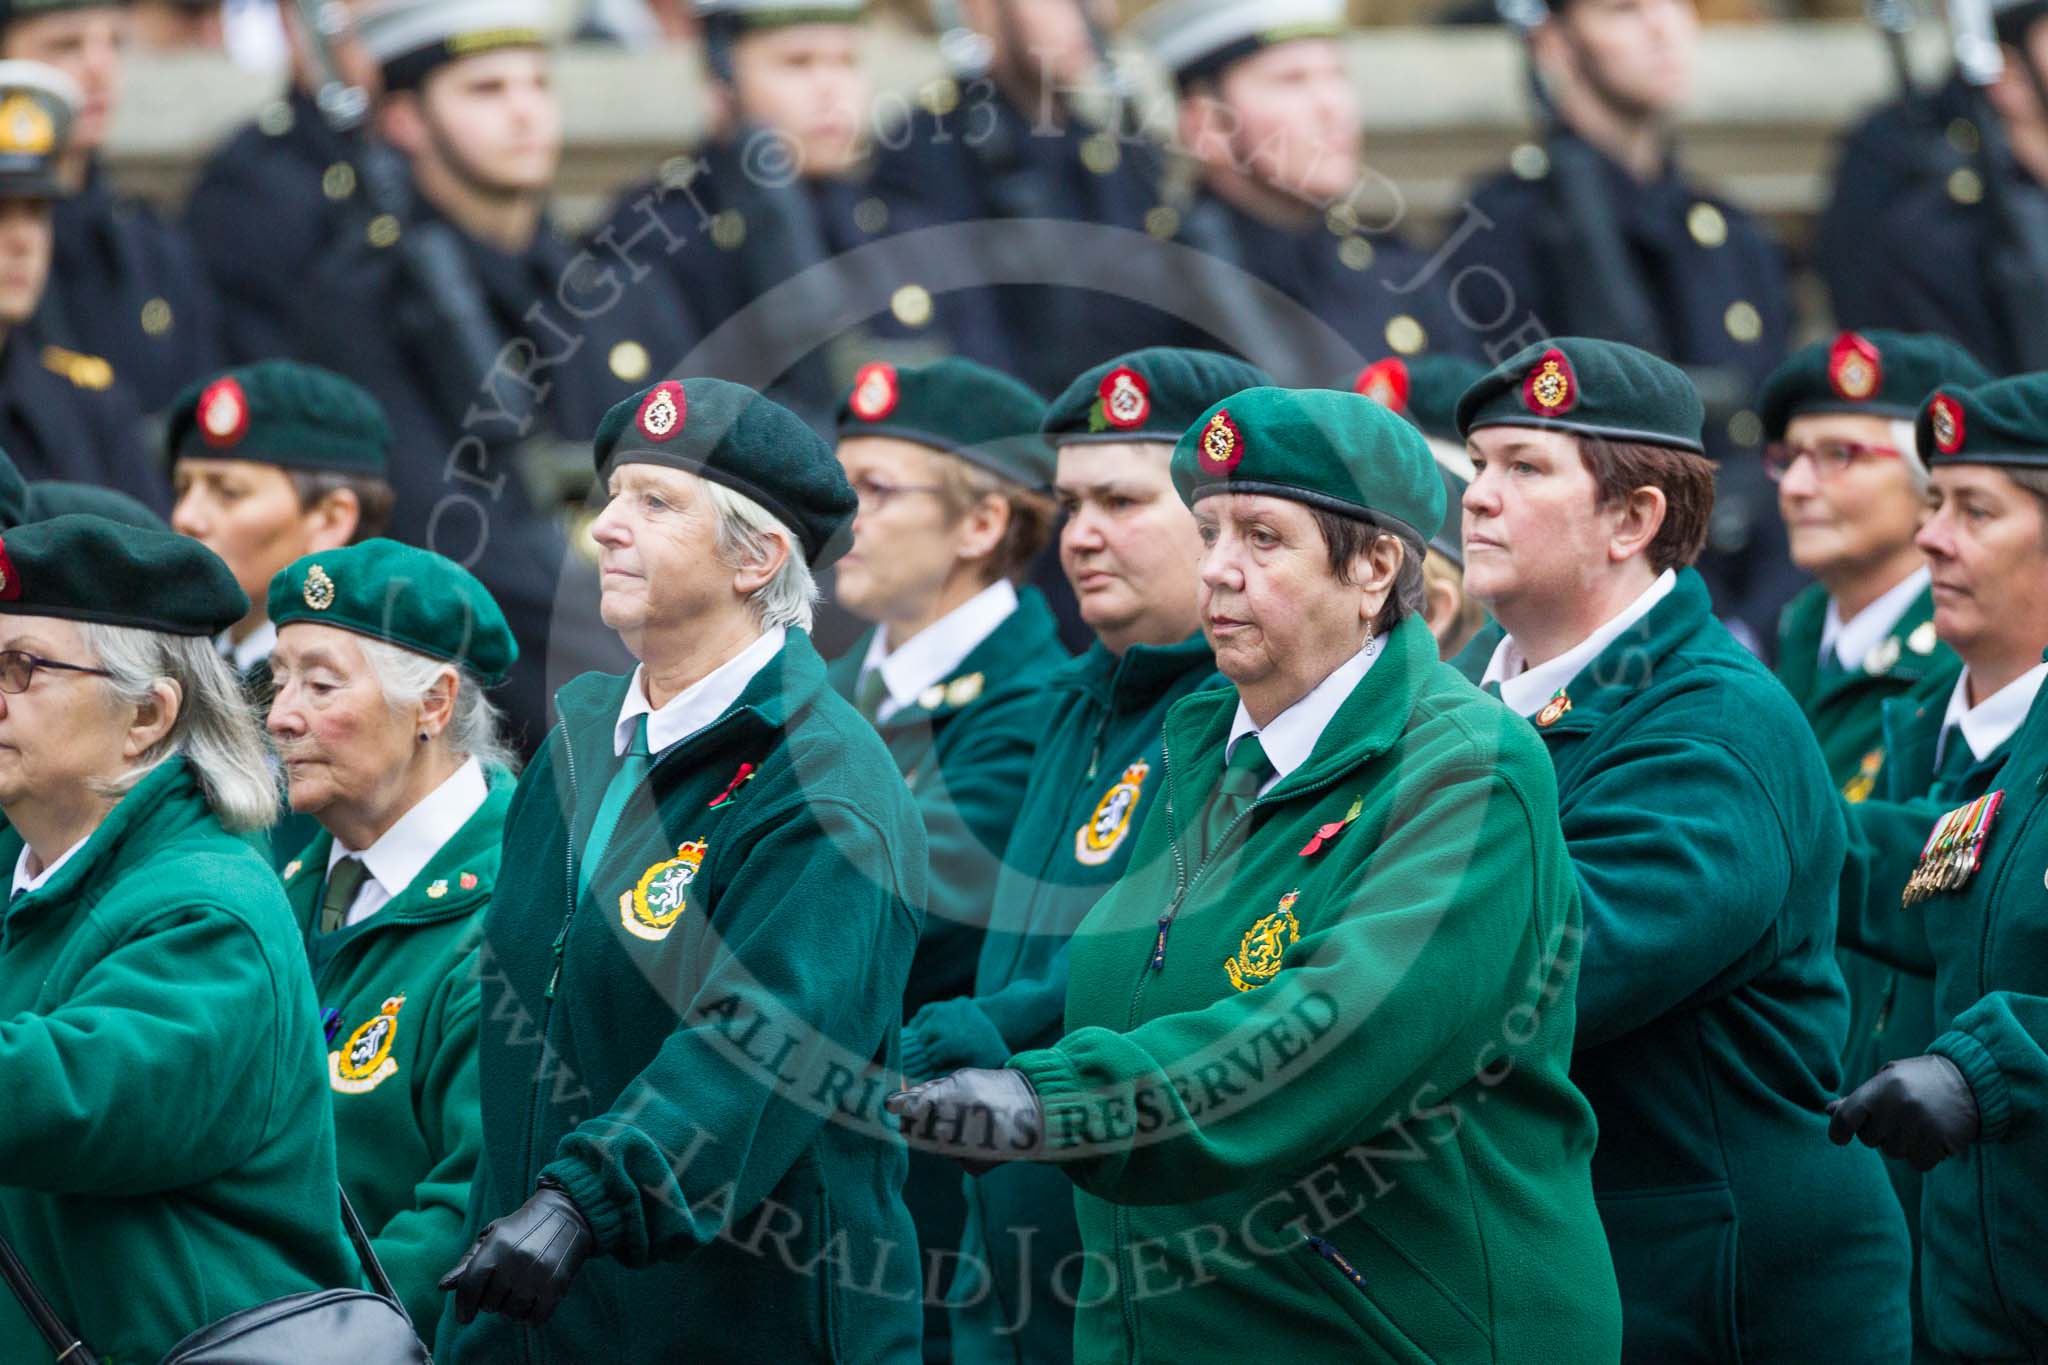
1068	1110
1987	1082
588	1192
916	1052
947	1035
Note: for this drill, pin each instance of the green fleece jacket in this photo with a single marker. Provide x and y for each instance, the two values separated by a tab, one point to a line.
1313	1089
1843	706
399	993
167	1156
697	1045
1708	842
1095	777
1984	1214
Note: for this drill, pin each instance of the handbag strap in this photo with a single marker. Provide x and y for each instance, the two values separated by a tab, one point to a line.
372	1267
63	1342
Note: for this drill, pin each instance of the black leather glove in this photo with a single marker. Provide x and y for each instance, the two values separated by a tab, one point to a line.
1919	1109
522	1264
981	1119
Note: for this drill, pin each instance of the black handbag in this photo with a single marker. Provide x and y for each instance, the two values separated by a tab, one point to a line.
319	1327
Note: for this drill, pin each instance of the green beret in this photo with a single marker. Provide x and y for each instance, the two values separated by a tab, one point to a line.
283	413
983	416
1425	389
2004	422
403	595
87	568
729	434
1150	395
48	498
1591	388
1873	374
1340	452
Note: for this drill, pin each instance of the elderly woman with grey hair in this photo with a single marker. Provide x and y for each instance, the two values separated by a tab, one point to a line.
167	1157
388	740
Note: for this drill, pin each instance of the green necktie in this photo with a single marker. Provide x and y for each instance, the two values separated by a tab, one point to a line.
1831	665
870	693
1244	772
344	879
1956	760
632	769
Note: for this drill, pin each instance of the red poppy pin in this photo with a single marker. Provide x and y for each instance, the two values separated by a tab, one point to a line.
663	411
1222	445
468	880
875	392
745	774
1855	369
1945	416
223	412
1386	383
1551	389
1123	399
10	581
1326	833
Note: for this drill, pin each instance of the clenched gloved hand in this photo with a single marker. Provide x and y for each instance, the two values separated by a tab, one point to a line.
522	1264
1919	1109
981	1119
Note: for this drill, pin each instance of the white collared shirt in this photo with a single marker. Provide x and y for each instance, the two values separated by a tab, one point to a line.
253	650
697	705
403	851
931	655
1527	690
1290	737
1990	722
24	882
1854	639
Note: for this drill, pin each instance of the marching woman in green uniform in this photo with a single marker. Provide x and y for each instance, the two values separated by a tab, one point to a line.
1708	841
383	654
1955	895
1313	1088
168	1153
1129	548
694	960
950	473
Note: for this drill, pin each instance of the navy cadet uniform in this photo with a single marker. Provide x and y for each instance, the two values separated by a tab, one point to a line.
971	154
125	284
1719	304
455	454
723	227
1337	272
62	415
265	204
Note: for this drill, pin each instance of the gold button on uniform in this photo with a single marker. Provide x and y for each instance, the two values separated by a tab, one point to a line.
630	362
912	305
1707	225
1963	136
940	97
1529	161
338	181
383	230
728	230
871	215
1743	322
1355	252
1406	335
1341	220
1745	428
156	317
276	119
1162	221
1100	154
1965	186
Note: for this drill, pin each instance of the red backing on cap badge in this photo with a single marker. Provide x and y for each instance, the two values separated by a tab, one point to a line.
1126	398
1855	369
662	411
1222	444
1386	383
10	581
1945	415
875	392
1550	388
223	412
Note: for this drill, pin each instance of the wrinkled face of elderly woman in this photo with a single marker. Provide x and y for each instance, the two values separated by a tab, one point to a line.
60	728
342	744
661	577
1279	614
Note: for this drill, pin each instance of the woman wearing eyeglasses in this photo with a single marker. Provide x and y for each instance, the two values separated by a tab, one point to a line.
166	1156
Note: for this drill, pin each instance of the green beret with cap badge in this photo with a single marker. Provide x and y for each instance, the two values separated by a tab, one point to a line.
1150	395
1875	373
2004	422
1340	452
957	406
1590	388
87	568
733	436
403	595
283	413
